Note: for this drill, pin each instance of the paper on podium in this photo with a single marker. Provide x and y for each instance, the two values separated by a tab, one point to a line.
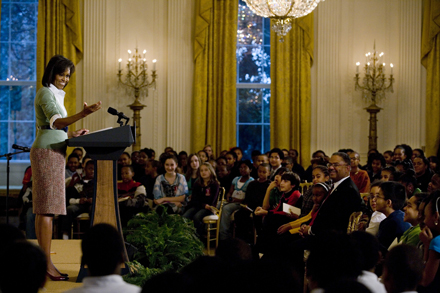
100	130
288	209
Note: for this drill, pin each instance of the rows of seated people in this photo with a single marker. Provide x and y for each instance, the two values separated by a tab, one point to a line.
263	197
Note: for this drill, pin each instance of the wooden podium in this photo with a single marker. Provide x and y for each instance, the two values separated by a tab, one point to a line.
105	147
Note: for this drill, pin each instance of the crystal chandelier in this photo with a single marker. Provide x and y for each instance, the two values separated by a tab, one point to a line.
282	12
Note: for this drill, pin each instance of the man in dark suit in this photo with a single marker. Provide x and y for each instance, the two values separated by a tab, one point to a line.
343	200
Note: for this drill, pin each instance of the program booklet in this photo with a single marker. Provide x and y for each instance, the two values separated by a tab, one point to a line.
288	209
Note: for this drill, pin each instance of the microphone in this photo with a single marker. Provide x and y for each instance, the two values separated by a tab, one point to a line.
113	111
21	148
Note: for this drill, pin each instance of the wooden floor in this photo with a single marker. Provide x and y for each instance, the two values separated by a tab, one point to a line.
66	255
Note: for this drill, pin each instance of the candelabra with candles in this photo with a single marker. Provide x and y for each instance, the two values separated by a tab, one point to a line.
374	85
137	79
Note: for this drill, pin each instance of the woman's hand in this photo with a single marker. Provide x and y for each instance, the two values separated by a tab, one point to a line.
260	211
77	132
87	110
426	236
272	185
292	216
284	228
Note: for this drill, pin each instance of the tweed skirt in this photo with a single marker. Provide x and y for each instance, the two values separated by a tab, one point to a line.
48	182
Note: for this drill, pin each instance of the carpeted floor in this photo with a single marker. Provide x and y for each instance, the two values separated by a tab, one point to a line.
66	255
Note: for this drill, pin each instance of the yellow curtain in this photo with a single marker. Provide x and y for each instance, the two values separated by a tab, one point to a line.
290	106
59	32
214	98
431	61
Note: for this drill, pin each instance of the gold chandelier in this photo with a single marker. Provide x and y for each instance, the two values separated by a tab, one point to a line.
282	12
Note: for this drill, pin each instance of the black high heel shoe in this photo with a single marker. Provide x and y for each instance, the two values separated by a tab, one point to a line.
55	278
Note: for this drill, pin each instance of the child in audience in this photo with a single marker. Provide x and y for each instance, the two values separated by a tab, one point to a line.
388	155
123	160
235	197
139	168
233	164
387	174
430	236
203	156
276	157
72	165
79	173
183	162
273	193
79	198
411	236
390	201
320	175
434	164
192	171
239	152
254	198
79	152
376	162
170	189
131	195
223	176
204	197
148	180
208	150
376	217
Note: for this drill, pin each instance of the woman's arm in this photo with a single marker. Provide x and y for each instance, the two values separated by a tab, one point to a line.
431	267
231	191
87	110
180	198
266	204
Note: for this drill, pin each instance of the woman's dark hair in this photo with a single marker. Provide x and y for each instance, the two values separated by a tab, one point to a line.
58	64
72	155
324	169
147	151
165	156
233	154
378	157
278	151
424	159
406	164
434	159
408	177
317	152
420	197
433	199
406	148
319	161
421	152
183	153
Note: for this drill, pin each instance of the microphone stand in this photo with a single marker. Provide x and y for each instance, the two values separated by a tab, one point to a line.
8	169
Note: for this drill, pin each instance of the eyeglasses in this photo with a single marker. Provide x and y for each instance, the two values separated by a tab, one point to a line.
335	165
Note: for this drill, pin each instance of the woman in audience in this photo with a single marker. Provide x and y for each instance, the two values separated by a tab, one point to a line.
124	160
430	236
435	183
388	155
139	168
376	162
183	162
204	197
239	153
192	171
170	188
49	149
434	164
423	173
148	180
411	236
377	217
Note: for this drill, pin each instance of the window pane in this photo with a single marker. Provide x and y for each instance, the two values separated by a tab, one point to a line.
266	136
23	22
4	103
266	105
253	64
250	139
249	105
250	26
17	103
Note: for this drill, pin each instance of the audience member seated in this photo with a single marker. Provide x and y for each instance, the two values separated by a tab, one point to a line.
316	155
235	197
72	165
239	152
223	176
411	236
255	193
403	269
170	189
388	173
389	158
370	250
203	156
273	219
434	164
79	198
183	162
103	254
377	217
417	153
276	157
257	161
233	165
134	157
410	182
390	201
192	171
131	196
204	197
79	152
148	180
139	168
273	193
430	236
297	168
376	162
423	173
23	268
79	174
435	183
124	160
359	177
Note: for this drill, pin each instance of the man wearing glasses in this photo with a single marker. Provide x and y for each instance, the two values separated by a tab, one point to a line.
342	201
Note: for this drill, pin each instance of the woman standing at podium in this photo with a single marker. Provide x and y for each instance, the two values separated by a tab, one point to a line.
49	149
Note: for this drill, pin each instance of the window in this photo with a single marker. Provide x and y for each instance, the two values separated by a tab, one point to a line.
18	38
253	81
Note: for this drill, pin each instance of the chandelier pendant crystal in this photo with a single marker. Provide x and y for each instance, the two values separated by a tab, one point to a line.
282	12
